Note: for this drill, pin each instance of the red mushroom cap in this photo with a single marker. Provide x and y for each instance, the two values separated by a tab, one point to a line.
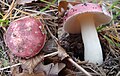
72	17
24	37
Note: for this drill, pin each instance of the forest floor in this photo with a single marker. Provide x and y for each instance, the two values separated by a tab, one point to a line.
71	45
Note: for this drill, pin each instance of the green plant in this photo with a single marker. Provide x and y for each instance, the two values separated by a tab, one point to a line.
48	6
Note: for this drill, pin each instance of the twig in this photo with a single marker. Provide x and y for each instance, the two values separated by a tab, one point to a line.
54	38
51	54
38	13
8	13
48	6
62	54
70	59
118	74
22	16
79	67
10	66
24	11
10	10
113	6
48	3
92	69
81	62
15	8
51	10
47	55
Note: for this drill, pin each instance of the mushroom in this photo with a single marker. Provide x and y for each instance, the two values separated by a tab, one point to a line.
25	37
85	18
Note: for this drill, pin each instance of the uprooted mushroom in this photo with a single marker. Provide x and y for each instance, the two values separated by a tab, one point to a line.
25	37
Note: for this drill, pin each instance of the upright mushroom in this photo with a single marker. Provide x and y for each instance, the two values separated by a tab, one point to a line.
84	18
25	37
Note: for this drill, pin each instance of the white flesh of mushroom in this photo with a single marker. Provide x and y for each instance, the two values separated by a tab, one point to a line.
92	47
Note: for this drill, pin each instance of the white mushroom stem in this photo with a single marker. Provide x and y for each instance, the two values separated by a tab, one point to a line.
92	47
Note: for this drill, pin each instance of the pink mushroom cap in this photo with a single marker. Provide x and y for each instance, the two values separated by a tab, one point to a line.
24	37
72	17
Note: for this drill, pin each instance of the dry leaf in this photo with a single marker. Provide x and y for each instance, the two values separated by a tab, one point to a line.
45	68
15	70
56	69
25	1
50	69
62	53
31	63
63	6
32	74
50	46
